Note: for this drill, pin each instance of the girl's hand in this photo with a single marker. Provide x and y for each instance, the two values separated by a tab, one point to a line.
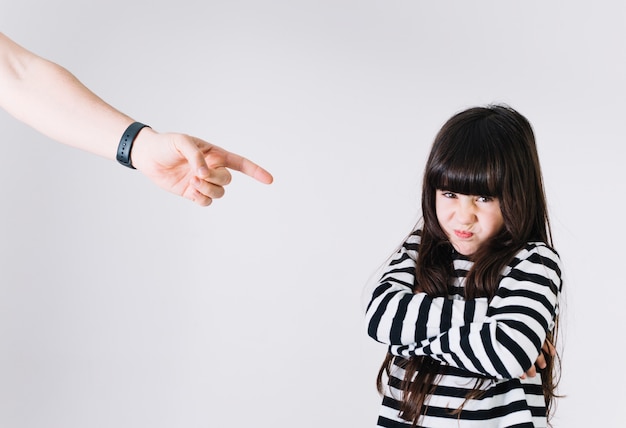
546	349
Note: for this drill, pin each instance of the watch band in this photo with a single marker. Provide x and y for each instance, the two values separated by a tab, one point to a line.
126	143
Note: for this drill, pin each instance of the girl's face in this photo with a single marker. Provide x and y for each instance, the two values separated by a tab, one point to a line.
468	220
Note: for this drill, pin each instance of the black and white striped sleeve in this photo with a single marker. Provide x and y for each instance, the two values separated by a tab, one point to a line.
507	342
397	316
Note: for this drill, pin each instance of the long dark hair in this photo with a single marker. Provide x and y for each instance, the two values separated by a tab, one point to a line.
487	151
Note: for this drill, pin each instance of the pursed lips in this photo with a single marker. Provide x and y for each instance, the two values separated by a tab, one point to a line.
463	234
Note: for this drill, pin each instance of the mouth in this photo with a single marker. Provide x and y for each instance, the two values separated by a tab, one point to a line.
463	234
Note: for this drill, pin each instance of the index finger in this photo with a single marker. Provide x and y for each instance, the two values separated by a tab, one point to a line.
549	348
541	361
531	372
247	167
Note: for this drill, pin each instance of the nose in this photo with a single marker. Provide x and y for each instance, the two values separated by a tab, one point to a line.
466	211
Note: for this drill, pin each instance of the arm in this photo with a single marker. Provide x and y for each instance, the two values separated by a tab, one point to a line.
509	340
50	99
397	316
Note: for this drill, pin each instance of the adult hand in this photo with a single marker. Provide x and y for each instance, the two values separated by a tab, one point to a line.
189	166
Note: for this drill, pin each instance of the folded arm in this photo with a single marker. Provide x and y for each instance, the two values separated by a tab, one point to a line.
508	341
397	316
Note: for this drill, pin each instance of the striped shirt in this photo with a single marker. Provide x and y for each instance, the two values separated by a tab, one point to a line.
497	340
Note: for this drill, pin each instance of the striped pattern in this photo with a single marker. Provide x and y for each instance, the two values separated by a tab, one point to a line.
496	341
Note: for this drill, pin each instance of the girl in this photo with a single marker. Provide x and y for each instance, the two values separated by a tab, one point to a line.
469	303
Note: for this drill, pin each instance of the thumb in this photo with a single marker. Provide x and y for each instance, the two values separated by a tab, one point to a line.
188	147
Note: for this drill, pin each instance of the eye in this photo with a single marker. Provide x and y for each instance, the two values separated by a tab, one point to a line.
447	194
485	198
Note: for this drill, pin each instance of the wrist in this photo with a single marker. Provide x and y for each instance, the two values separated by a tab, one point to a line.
127	142
144	143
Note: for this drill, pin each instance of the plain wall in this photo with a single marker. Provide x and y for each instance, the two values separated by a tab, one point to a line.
124	306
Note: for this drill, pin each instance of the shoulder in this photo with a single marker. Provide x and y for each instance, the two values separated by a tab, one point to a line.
412	242
409	247
414	238
536	259
538	252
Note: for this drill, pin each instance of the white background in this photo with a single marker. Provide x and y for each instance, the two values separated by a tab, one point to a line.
124	306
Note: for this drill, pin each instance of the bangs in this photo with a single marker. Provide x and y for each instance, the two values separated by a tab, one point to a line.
470	162
480	180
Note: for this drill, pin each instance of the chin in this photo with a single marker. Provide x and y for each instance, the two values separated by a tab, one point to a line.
465	250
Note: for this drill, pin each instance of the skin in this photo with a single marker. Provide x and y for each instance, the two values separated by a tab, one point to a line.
469	221
48	98
547	349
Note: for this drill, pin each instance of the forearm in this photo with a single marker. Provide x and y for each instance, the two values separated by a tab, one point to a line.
398	316
508	341
50	99
491	349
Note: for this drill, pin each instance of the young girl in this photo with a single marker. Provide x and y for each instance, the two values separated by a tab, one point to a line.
469	304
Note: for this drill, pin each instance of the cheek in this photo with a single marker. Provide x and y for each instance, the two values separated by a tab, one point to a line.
438	210
497	223
441	213
443	206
